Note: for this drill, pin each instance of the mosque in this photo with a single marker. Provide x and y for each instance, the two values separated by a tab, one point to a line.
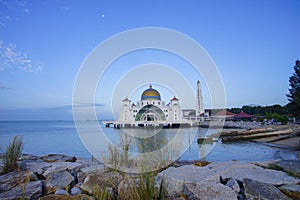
151	110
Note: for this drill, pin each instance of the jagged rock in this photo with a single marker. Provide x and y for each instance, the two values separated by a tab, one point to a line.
207	191
12	179
292	191
60	166
175	178
36	166
241	170
259	190
291	166
64	197
45	169
93	169
234	185
75	191
60	180
31	190
58	158
102	180
84	172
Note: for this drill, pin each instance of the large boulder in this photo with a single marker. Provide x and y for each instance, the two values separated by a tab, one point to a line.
31	190
61	166
44	169
12	179
175	178
60	180
292	191
37	166
208	191
259	190
241	170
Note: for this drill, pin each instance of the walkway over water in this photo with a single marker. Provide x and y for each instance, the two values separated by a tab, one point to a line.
175	124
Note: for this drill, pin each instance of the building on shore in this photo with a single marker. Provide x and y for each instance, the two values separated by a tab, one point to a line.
151	110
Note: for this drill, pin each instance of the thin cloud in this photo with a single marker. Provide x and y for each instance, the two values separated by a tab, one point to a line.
87	105
6	88
11	5
11	57
21	3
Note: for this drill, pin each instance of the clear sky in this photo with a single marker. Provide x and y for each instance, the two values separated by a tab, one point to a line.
43	43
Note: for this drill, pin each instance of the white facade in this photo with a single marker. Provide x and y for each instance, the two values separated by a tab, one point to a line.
199	101
150	109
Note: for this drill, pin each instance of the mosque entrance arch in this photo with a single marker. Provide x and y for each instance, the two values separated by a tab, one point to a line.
150	113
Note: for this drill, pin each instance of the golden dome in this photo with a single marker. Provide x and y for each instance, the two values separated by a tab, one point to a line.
150	94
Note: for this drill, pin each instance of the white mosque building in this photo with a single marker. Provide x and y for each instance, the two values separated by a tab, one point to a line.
151	110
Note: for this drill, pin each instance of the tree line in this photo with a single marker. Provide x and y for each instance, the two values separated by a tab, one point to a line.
278	112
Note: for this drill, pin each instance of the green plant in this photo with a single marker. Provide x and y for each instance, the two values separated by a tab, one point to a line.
148	189
12	154
142	186
101	194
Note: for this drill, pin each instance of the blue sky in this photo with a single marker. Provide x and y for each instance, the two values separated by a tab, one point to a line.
43	43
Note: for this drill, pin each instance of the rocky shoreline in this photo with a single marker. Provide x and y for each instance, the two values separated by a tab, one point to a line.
56	176
276	133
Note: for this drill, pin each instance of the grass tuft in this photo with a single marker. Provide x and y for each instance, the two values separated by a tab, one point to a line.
12	154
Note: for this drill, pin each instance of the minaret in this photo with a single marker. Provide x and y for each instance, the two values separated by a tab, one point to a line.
199	102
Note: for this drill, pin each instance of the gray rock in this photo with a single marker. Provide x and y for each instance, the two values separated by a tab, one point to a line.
12	179
175	178
84	172
31	190
45	169
93	169
26	156
259	190
75	191
241	170
58	158
36	166
60	166
234	185
61	192
60	180
208	191
291	166
102	180
292	191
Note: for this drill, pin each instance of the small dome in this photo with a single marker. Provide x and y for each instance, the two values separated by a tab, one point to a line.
150	94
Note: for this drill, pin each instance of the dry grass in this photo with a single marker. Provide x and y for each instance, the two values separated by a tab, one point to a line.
12	153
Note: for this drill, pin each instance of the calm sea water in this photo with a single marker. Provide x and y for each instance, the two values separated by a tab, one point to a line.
44	137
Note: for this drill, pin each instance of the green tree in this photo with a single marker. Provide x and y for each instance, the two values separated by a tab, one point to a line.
294	91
